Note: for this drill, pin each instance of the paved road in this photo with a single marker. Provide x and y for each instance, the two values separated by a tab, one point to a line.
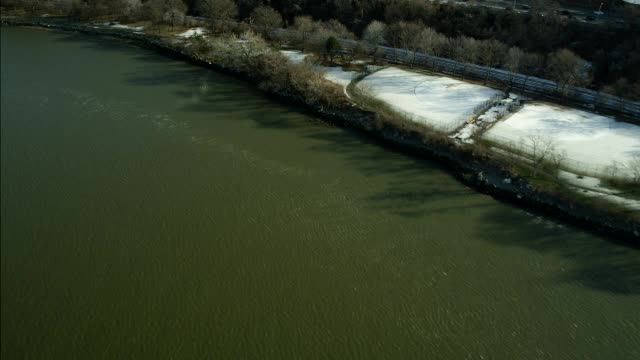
577	14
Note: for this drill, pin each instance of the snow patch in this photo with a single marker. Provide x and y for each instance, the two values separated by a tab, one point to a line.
192	32
582	181
466	133
441	102
117	25
294	56
134	28
592	186
605	194
592	143
337	75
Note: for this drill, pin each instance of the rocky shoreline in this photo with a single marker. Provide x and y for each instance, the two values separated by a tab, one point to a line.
486	176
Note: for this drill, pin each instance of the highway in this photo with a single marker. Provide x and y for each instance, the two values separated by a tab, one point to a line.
524	6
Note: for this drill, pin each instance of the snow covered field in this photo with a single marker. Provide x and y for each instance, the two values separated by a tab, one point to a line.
335	74
441	102
592	142
294	56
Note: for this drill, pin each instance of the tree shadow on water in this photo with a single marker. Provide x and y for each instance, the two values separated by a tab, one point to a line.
598	263
113	44
418	188
90	42
415	187
165	76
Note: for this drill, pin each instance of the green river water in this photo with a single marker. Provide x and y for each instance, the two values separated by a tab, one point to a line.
156	210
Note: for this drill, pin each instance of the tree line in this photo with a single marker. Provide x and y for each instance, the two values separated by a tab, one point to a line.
537	43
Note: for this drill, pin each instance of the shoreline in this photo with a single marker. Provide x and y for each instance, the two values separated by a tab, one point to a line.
484	175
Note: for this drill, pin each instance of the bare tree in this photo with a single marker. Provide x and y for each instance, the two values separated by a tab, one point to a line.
219	11
634	167
266	17
61	7
250	46
432	43
245	7
359	49
612	170
556	159
31	6
326	30
332	47
465	50
166	11
406	10
240	52
303	24
620	88
404	35
567	68
132	9
490	54
199	44
92	9
117	8
514	62
542	150
336	27
374	34
532	64
174	13
344	10
154	9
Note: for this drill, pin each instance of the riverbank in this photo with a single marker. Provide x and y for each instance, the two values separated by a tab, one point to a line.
470	165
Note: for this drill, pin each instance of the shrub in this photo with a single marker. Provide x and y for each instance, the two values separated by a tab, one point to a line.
199	44
241	28
298	80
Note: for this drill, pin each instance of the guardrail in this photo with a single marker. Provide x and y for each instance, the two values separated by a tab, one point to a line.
591	99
